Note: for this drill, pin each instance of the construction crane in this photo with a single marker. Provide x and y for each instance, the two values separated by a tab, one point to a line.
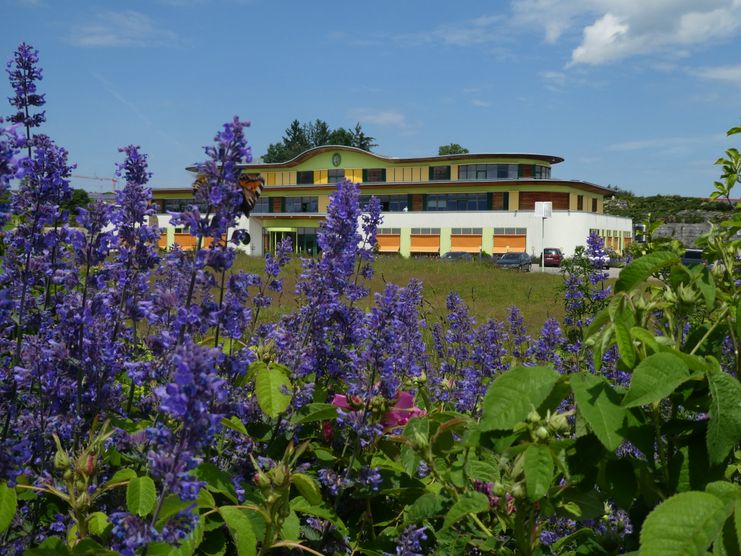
113	181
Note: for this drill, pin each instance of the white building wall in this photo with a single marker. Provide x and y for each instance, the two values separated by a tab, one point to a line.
565	229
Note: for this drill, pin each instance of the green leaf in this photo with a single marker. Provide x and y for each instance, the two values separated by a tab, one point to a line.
468	503
171	505
645	337
240	529
141	496
216	480
299	504
619	481
315	412
426	506
89	547
273	390
52	546
706	284
738	320
120	476
655	378
599	404
599	320
291	529
8	505
308	487
684	524
625	345
538	467
97	523
724	427
514	394
640	270
235	424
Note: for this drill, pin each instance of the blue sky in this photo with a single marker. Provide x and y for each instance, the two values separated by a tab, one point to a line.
633	93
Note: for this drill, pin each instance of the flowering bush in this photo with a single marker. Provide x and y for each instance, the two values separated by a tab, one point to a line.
147	409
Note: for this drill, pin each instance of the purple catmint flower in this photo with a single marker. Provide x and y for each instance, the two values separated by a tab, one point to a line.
370	478
191	399
333	481
9	166
549	345
23	73
394	349
410	542
322	335
218	184
131	533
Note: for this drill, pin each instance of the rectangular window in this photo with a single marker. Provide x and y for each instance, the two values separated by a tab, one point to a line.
594	205
182	205
304	178
301	204
580	202
542	172
456	202
526	170
335	176
262	205
374	175
439	173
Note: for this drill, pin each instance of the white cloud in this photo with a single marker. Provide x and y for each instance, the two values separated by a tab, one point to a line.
480	103
554	78
121	29
381	117
667	145
729	74
612	30
471	32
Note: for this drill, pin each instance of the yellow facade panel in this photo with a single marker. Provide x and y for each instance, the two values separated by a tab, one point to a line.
390	243
269	178
468	243
514	200
573	201
507	243
322	203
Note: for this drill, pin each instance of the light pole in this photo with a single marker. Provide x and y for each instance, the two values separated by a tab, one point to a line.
543	209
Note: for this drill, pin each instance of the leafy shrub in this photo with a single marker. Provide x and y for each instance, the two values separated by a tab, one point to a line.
146	409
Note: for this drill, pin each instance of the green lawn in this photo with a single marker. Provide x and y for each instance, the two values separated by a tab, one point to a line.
488	291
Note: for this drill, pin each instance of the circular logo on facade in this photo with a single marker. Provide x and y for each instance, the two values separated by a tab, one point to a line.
336	159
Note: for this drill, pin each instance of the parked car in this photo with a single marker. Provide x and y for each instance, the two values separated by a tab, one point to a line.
457	256
600	261
552	256
692	257
519	261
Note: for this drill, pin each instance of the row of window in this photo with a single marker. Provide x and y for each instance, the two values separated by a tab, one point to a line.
580	203
442	173
456	231
431	202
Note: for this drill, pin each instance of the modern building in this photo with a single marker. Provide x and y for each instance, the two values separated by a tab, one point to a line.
479	203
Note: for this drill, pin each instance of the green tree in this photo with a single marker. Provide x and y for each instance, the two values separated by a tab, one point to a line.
300	137
452	148
79	198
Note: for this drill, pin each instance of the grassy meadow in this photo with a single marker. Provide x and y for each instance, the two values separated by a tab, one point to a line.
487	290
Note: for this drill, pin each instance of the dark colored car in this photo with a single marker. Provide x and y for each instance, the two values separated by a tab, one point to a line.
691	257
552	256
457	256
518	261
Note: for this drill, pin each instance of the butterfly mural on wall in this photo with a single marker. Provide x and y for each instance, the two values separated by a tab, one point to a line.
251	186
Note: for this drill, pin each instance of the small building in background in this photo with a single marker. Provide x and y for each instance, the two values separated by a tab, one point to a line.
476	203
